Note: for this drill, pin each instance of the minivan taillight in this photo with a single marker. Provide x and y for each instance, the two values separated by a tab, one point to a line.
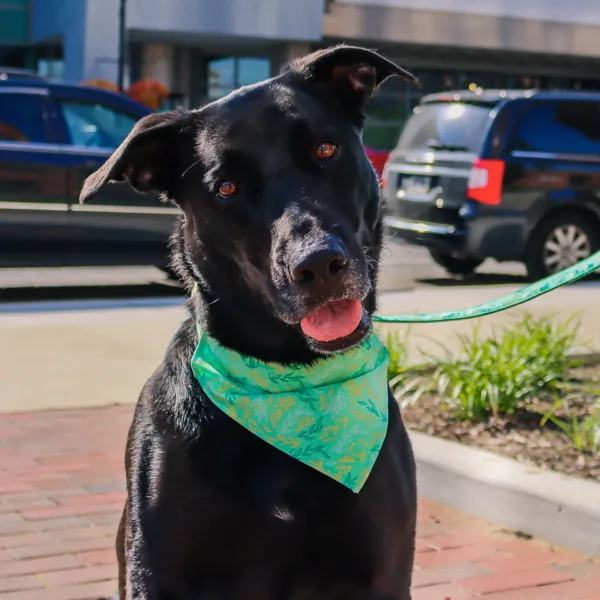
485	181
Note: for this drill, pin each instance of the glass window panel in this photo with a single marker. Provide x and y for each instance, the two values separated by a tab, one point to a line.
565	127
22	118
96	125
221	77
251	70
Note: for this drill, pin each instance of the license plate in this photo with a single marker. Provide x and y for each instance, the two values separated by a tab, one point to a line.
415	185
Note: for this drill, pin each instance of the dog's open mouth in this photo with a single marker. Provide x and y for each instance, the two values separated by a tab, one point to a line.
335	320
337	325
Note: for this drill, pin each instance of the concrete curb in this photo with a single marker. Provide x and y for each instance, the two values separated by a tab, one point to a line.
560	509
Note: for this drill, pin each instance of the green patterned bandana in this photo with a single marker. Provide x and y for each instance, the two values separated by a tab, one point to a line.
332	416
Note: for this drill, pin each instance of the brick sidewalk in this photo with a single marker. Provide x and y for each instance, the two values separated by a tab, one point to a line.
61	493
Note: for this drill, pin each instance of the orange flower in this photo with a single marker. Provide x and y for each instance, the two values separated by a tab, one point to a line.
101	83
149	92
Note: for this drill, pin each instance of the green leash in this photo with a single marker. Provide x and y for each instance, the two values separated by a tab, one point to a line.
535	290
322	415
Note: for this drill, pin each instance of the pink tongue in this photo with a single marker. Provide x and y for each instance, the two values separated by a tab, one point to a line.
335	320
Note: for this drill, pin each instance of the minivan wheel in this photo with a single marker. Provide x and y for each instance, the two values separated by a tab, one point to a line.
559	242
454	265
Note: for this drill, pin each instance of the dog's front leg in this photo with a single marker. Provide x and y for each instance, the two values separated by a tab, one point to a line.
137	574
137	580
140	586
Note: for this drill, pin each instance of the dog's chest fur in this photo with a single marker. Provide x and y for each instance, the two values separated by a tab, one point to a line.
229	513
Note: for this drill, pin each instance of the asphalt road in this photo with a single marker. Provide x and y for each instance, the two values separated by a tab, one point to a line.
403	267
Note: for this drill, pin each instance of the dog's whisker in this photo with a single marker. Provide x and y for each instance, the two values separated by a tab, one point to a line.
190	167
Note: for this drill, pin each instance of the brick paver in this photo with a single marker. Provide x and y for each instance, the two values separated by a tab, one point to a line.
62	490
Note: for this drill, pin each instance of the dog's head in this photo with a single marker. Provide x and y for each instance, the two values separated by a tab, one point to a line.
282	217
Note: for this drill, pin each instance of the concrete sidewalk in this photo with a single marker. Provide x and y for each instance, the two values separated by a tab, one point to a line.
580	301
62	491
75	355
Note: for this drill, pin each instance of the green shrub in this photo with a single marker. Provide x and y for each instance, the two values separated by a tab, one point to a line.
498	374
405	379
397	347
584	433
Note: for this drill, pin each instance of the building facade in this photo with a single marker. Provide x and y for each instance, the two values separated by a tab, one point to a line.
15	47
202	49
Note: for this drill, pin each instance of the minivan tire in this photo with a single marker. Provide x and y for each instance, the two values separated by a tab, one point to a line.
534	259
453	264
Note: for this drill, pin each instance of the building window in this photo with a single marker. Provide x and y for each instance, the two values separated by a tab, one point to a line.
388	111
51	68
50	62
229	73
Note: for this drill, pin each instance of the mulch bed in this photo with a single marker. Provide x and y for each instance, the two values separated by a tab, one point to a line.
518	436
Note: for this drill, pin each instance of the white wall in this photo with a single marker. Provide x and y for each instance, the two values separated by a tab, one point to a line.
292	20
586	12
91	33
102	39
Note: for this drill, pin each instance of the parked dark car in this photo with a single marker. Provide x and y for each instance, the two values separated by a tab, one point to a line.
51	138
509	175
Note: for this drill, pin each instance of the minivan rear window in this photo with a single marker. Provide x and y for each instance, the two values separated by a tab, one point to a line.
452	126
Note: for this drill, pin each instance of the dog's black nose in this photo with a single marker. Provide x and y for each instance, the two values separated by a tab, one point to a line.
322	267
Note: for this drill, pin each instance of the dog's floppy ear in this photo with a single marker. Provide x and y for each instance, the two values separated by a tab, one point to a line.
351	72
146	158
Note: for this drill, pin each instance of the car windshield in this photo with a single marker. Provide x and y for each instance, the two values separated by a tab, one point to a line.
446	126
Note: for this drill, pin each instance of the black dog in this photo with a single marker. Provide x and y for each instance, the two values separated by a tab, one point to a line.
281	216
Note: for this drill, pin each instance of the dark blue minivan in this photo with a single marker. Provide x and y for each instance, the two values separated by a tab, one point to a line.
52	137
508	175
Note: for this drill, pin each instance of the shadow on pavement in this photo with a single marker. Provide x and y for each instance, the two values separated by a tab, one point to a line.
88	292
477	279
487	279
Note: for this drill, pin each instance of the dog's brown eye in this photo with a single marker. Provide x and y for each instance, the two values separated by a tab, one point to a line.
227	188
326	150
